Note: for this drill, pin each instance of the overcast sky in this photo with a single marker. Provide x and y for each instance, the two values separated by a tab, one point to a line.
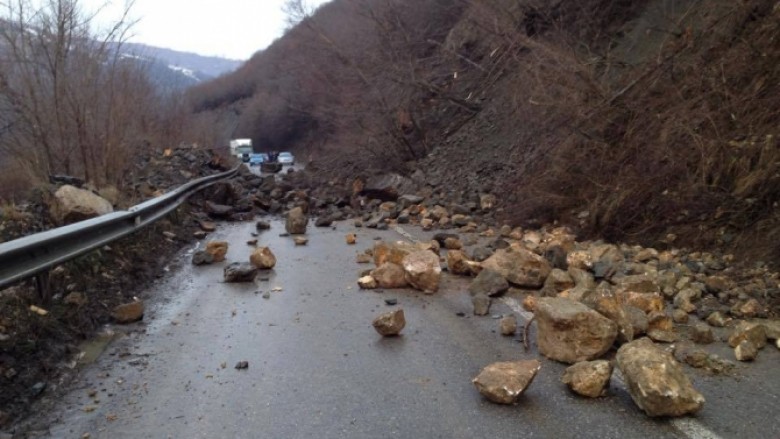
227	28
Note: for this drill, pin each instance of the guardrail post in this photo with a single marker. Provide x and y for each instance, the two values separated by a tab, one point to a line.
43	285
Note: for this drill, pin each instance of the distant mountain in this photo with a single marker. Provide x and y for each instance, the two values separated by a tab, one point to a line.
209	65
172	70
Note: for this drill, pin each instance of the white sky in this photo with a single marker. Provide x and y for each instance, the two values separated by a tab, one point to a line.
227	28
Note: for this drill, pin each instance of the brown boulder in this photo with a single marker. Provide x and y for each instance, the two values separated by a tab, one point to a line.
505	381
217	250
129	312
422	270
656	381
390	323
263	258
588	378
519	266
389	275
571	332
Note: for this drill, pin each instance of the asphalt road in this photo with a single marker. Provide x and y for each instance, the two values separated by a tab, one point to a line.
318	369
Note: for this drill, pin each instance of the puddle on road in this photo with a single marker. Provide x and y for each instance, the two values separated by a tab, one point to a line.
91	350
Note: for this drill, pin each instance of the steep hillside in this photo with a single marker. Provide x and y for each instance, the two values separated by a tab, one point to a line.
652	121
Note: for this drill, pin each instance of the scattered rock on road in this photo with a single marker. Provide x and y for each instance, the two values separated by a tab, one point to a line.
588	378
296	222
242	365
202	257
656	381
263	258
481	304
367	283
351	238
389	275
508	325
217	250
300	240
505	381
240	272
753	332
570	332
390	323
746	351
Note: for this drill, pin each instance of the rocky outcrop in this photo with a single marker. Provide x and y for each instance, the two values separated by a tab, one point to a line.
72	204
571	332
504	382
656	381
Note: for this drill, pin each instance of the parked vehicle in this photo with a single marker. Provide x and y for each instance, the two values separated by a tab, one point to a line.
257	159
239	147
286	158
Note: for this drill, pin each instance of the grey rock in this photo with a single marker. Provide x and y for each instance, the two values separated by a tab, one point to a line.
240	272
489	283
481	304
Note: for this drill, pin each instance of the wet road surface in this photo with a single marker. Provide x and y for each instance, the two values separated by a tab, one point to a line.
318	369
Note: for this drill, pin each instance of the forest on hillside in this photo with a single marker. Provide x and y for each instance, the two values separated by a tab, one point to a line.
645	120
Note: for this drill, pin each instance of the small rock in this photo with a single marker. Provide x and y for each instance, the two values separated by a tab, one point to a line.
129	312
296	222
508	325
679	316
367	283
202	257
323	221
717	319
391	302
746	351
169	235
701	333
240	272
200	234
753	332
351	239
453	244
263	225
75	299
207	226
588	378
217	249
363	258
267	295
263	258
504	382
662	336
242	365
390	323
749	309
458	263
658	320
251	242
481	304
529	303
300	240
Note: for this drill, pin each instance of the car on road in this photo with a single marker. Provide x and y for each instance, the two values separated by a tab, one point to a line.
257	159
286	158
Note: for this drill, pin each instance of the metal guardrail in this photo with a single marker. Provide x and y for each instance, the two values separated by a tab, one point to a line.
35	254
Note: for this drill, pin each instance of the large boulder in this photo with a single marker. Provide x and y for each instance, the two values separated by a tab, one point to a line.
571	332
656	381
72	204
296	221
505	381
519	266
389	275
395	252
607	304
422	270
